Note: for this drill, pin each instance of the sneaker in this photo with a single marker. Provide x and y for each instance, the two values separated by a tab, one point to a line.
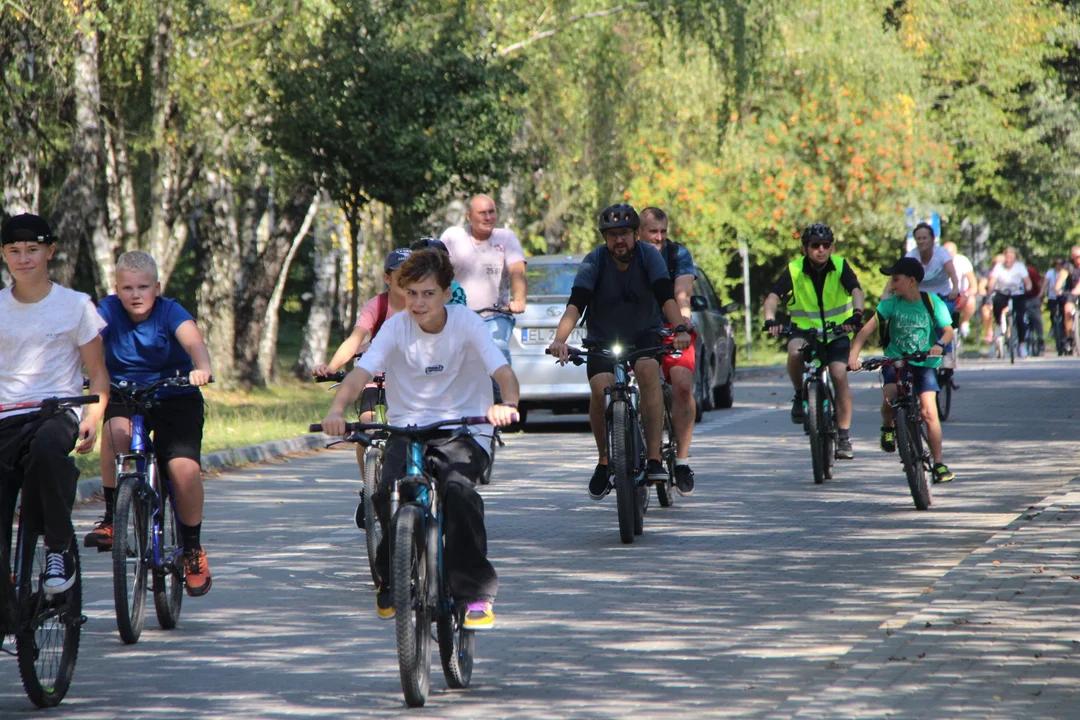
798	415
844	451
59	572
888	439
101	536
478	616
600	485
1023	351
197	573
656	470
384	604
684	480
942	473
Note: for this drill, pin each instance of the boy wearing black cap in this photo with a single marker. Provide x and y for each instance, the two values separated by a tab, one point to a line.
47	334
914	320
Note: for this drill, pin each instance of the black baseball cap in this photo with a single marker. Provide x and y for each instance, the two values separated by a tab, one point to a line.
26	228
905	266
396	258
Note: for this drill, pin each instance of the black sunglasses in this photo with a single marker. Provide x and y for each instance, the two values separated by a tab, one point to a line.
824	244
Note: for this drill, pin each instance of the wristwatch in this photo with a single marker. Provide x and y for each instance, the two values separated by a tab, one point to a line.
680	329
940	344
513	405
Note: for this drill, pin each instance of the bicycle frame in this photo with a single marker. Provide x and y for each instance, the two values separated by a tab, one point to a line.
908	402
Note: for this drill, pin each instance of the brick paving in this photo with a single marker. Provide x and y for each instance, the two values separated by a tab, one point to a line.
763	595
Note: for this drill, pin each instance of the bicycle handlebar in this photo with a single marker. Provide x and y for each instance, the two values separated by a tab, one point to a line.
355	432
578	356
52	403
496	310
332	377
830	328
873	363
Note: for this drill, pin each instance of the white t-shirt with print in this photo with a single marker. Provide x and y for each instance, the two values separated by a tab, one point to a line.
481	267
39	345
1009	281
962	266
436	376
935	279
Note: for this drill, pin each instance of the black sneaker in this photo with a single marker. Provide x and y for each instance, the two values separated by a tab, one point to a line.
844	451
384	604
656	470
684	480
59	572
600	485
358	518
888	439
798	415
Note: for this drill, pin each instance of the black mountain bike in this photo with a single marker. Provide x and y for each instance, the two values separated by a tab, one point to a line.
625	434
417	579
46	627
911	437
819	400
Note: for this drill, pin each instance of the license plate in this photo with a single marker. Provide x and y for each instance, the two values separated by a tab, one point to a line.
545	336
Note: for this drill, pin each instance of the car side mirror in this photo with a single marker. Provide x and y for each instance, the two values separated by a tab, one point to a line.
698	302
731	307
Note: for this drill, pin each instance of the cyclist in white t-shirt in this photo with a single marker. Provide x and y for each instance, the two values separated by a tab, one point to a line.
1010	280
939	273
965	303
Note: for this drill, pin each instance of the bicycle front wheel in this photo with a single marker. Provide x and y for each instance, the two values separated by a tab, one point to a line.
815	423
373	530
409	590
456	648
47	641
665	491
621	448
169	580
910	446
130	557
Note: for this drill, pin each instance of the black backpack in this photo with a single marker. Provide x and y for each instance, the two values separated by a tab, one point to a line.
883	324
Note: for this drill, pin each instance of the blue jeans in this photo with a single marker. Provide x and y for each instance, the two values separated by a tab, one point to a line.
501	328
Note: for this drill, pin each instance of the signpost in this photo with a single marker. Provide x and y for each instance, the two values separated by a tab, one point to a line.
744	251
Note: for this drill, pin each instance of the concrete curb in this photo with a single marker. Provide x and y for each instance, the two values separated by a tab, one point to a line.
234	457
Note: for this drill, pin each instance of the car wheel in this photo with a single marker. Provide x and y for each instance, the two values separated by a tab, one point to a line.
724	396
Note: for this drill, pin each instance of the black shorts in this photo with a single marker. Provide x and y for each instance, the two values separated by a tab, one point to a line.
838	349
367	400
177	424
648	339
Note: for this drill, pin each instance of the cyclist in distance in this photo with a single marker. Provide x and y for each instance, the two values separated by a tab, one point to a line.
1068	284
439	360
149	338
913	319
678	371
628	293
1010	281
939	273
965	303
47	334
822	288
986	309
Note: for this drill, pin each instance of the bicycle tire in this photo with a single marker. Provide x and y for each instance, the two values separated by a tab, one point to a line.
412	619
168	582
456	648
130	559
48	626
911	457
485	478
1076	335
944	395
372	528
815	429
621	447
665	491
829	423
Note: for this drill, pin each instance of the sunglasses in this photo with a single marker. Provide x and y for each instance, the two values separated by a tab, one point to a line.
818	245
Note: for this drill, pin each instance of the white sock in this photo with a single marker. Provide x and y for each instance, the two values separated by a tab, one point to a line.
682	461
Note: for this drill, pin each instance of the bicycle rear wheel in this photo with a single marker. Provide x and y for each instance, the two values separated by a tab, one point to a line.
409	590
372	528
910	445
456	648
47	640
622	467
944	395
130	558
169	580
815	424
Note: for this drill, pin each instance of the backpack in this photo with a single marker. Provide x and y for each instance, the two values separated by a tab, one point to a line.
383	307
1036	282
883	324
671	255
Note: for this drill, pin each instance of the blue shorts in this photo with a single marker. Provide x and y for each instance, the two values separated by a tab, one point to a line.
925	379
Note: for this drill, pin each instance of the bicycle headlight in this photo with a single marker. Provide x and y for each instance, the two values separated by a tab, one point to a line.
616	350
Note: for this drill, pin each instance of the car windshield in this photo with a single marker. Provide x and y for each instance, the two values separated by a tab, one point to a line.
551	279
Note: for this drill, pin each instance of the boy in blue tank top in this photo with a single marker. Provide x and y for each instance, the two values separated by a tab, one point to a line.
149	338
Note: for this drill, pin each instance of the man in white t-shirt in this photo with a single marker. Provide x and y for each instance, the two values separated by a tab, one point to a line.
965	271
47	334
439	363
490	265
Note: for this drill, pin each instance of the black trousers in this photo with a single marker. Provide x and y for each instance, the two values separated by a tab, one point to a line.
456	463
1019	313
40	463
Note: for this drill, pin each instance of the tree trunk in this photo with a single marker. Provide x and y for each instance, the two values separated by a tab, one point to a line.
218	246
121	195
264	271
267	358
317	329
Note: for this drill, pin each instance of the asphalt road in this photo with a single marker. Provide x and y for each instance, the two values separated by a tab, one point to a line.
757	597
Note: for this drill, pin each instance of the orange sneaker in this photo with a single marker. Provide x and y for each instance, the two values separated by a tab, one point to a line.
197	573
101	537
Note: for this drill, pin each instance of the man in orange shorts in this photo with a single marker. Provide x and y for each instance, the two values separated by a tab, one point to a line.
678	371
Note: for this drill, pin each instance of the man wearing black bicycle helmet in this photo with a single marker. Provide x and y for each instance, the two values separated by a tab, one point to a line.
820	288
627	291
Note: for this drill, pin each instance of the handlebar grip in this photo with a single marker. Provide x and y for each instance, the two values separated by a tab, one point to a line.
547	351
316	427
332	377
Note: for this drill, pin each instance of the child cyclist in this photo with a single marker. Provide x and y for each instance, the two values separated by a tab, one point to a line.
149	338
913	320
439	360
47	334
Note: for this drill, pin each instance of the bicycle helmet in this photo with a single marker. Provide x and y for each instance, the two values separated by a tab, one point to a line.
819	232
26	228
619	215
430	243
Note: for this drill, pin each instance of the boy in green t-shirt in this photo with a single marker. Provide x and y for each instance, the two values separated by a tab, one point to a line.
912	328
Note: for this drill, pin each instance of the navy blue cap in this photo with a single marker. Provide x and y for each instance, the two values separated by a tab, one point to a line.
905	266
395	259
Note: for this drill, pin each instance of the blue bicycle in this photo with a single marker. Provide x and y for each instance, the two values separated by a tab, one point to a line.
146	528
418	584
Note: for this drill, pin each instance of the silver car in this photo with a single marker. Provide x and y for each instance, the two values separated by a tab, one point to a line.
565	389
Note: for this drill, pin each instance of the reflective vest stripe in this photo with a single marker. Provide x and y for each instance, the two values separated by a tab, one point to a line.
828	313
